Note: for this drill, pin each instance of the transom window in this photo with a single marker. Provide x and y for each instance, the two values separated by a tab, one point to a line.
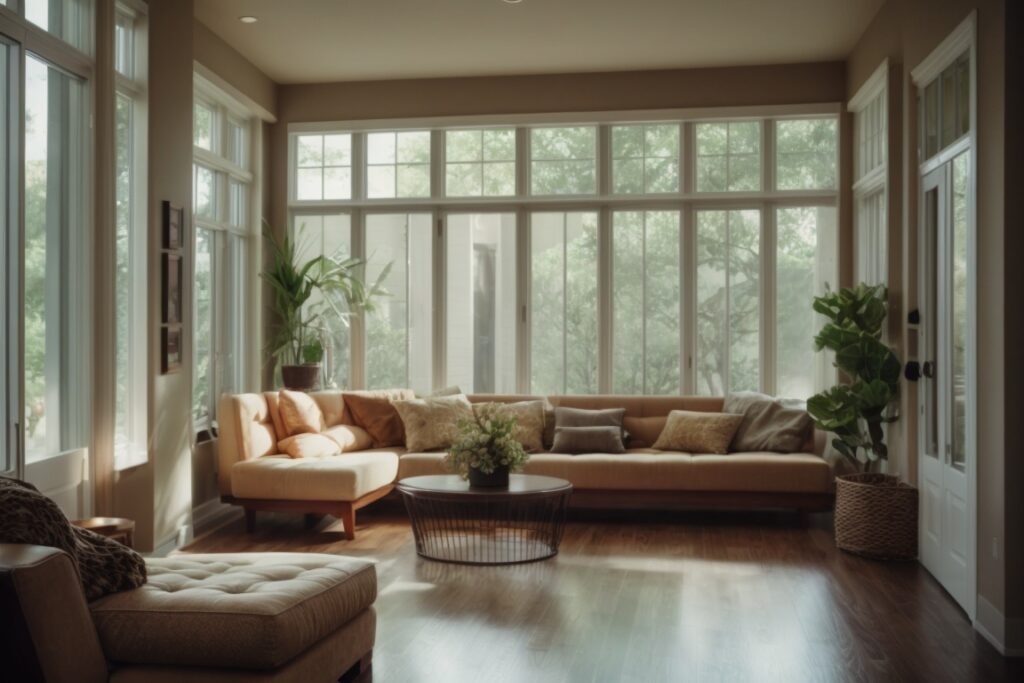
324	164
558	257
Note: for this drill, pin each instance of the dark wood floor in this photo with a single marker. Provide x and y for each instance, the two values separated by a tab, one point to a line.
652	597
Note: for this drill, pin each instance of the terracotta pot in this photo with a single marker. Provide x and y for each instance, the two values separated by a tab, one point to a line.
300	377
876	516
496	479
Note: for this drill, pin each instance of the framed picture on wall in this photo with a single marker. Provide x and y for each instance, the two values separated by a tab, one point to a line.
170	348
173	222
171	270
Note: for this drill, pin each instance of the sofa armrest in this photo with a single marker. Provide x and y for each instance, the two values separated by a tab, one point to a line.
48	632
246	432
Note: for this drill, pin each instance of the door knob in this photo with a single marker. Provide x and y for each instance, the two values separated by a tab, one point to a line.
928	369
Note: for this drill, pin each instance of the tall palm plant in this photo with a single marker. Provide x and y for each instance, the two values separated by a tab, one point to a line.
299	329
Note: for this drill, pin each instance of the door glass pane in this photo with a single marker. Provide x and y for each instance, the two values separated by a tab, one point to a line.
563	302
399	331
728	301
329	235
202	382
929	326
53	236
6	154
931	119
805	262
958	303
645	274
481	302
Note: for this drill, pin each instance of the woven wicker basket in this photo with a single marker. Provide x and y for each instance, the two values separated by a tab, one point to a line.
876	516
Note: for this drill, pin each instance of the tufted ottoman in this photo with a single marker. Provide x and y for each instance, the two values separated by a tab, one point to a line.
247	616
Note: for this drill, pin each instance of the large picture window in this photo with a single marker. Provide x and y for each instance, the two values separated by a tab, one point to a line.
637	256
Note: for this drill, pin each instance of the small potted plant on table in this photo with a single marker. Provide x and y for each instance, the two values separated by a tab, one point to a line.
876	514
299	330
486	449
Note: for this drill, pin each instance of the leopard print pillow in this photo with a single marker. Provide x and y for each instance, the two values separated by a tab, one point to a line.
104	565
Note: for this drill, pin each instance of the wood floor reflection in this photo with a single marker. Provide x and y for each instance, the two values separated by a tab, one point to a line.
651	597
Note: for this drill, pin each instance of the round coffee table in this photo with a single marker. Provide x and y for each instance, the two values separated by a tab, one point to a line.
453	522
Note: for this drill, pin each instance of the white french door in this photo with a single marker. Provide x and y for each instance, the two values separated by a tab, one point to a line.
946	535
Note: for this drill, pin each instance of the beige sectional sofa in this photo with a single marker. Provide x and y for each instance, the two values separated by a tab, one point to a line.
253	474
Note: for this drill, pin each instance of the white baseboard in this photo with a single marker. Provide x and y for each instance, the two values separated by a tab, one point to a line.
1006	635
167	545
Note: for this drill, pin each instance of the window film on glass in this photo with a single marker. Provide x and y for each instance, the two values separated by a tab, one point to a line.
728	301
805	262
203	344
563	160
203	126
480	163
124	44
238	145
69	20
481	302
54	284
645	300
563	302
329	235
645	158
945	110
870	127
805	154
398	165
204	194
324	165
872	238
399	331
728	156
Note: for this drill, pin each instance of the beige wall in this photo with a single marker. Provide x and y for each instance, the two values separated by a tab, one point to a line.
158	495
906	31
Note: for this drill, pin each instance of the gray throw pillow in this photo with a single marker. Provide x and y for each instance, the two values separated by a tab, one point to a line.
769	424
602	439
578	417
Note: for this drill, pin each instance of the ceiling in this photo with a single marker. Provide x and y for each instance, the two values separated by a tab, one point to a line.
310	41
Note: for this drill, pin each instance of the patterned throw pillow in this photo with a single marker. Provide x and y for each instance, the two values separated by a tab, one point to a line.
529	417
433	423
299	413
694	432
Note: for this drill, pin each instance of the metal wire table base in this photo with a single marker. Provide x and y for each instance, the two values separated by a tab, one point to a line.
487	529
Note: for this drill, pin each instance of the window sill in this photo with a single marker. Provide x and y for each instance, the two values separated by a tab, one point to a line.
130	459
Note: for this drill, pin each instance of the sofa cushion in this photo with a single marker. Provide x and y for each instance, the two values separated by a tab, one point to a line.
349	437
309	446
650	470
643	431
247	610
433	423
299	413
769	424
704	432
378	417
600	439
344	477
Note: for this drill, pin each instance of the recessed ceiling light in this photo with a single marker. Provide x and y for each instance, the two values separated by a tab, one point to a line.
512	2
248	20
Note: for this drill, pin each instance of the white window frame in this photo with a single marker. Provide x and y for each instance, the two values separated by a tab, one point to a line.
233	321
871	185
686	201
133	86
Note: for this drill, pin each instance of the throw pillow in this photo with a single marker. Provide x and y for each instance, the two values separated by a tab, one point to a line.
299	413
309	446
104	565
769	424
433	423
549	425
578	417
693	432
606	439
349	437
529	421
644	431
378	417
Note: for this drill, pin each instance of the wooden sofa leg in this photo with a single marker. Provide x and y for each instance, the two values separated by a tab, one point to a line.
348	518
250	520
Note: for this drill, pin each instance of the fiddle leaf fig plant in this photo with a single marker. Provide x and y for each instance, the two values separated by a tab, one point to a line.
300	330
855	411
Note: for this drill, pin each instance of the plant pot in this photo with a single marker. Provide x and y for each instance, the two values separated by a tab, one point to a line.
495	480
876	516
300	377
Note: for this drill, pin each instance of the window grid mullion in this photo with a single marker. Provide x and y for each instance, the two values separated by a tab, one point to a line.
605	301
